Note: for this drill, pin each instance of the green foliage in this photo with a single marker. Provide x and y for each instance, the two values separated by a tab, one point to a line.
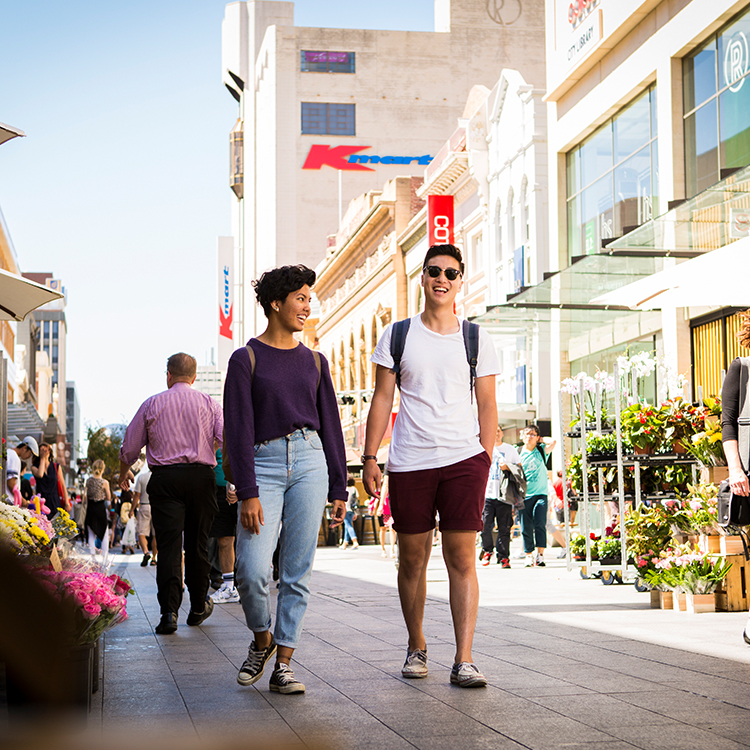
104	444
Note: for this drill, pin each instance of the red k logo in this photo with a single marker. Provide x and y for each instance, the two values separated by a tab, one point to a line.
225	323
335	157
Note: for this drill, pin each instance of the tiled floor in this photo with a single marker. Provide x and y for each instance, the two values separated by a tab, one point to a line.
571	664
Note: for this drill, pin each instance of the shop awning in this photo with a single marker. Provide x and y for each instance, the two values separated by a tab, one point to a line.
717	278
567	299
712	219
7	132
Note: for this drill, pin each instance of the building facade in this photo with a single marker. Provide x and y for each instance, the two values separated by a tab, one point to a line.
649	153
326	115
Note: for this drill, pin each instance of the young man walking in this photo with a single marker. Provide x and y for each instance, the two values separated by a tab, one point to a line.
439	456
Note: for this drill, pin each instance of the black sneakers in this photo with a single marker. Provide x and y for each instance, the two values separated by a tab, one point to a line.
196	618
252	669
284	681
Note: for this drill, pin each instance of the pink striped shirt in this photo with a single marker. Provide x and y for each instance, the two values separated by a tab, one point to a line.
177	426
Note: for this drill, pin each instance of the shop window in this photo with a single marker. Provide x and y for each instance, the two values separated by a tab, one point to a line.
716	97
326	62
612	178
328	119
715	346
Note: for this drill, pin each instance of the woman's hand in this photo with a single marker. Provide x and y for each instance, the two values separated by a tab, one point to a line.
251	515
338	512
738	482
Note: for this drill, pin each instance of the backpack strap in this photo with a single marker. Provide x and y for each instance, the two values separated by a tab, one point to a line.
471	345
744	420
398	341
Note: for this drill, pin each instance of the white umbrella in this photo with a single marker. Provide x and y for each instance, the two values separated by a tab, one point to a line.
716	278
19	296
7	132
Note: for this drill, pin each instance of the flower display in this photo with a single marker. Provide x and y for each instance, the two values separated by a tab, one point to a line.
24	530
683	569
97	600
64	526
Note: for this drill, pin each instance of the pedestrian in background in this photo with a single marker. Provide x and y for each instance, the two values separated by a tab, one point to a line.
223	530
352	504
534	455
286	454
141	508
178	428
96	495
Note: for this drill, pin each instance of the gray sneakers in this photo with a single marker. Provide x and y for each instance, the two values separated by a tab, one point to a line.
467	675
416	664
284	681
252	669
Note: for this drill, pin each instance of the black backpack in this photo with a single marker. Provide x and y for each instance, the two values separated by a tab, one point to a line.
470	333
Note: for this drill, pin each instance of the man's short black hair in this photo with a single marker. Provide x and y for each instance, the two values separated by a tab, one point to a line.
278	283
350	482
450	250
534	428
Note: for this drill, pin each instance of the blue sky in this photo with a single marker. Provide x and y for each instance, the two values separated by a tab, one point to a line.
120	187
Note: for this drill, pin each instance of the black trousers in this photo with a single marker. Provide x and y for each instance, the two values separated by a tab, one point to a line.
183	503
501	513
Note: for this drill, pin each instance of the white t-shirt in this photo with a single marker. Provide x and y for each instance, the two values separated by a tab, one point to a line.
141	485
436	423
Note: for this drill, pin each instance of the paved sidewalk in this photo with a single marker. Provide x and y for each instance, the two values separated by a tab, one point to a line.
571	664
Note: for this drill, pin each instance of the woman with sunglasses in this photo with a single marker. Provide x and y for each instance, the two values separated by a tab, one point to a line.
285	450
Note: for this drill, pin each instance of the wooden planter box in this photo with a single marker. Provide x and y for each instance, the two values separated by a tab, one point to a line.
714	474
680	601
710	543
732	594
666	599
699	603
731	545
655	598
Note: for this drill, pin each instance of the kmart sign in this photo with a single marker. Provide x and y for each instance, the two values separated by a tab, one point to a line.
349	158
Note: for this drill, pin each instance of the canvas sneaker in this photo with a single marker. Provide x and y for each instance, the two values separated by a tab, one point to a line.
415	665
539	561
252	669
284	681
466	674
226	595
505	562
529	561
486	557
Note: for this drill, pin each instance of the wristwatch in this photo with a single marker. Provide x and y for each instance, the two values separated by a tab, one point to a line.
366	457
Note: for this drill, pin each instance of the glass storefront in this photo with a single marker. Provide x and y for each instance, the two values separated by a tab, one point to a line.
612	178
716	96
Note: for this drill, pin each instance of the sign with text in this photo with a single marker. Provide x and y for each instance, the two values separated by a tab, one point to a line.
739	223
226	301
440	219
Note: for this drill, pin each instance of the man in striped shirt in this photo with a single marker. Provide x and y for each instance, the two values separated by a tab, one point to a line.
178	428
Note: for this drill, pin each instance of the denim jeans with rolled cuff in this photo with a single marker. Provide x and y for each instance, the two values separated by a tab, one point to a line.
292	475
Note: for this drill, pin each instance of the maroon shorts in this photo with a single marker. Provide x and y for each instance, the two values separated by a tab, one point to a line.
456	492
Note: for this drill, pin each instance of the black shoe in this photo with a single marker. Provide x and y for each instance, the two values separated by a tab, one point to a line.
195	618
167	625
745	634
145	560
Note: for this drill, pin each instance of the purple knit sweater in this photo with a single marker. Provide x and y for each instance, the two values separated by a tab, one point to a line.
282	399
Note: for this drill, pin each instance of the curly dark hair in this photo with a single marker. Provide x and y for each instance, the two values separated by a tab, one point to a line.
278	283
450	250
743	335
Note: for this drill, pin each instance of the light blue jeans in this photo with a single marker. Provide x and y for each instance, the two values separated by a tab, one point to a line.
350	536
293	478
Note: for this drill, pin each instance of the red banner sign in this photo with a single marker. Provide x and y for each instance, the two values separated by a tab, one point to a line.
440	219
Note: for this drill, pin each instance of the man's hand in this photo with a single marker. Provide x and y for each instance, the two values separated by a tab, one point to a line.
372	478
125	479
337	513
251	515
231	495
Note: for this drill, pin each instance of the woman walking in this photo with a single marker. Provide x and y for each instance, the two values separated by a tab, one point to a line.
284	450
95	494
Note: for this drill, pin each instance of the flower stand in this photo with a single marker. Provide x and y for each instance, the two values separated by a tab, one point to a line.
731	545
699	603
710	543
732	594
666	599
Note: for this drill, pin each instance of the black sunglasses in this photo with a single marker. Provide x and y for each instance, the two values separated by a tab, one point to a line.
450	273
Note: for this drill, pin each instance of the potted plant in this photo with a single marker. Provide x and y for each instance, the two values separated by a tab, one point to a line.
578	547
701	576
609	547
682	421
644	427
